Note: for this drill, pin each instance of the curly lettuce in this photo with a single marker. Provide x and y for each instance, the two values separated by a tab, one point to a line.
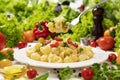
47	12
10	27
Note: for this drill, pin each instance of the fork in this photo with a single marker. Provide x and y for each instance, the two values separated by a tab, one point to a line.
76	20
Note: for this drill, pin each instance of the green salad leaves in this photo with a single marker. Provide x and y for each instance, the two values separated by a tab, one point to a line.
65	73
106	71
10	27
20	15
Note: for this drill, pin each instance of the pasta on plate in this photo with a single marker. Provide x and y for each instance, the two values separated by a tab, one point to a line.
60	52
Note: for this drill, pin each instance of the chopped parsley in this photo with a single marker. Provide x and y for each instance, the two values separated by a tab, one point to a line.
81	49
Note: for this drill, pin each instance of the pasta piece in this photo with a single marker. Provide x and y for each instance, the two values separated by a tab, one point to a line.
60	43
67	59
68	50
60	25
53	58
55	51
74	57
37	47
62	55
83	57
30	51
74	51
46	49
51	27
62	49
89	52
44	58
35	56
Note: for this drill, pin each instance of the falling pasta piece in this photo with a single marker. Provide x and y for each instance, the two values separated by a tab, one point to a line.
60	25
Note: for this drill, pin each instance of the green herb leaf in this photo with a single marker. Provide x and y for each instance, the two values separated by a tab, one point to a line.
81	49
11	57
3	56
106	71
65	44
42	77
65	74
68	54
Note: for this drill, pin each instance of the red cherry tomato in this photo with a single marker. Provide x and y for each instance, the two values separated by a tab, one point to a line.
22	44
82	7
56	44
31	73
2	41
112	57
106	43
58	39
87	73
75	45
69	41
93	44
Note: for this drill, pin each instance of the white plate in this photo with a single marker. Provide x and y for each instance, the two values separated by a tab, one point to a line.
99	57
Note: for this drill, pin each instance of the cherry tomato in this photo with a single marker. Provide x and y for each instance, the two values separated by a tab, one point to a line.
22	44
75	45
112	57
87	73
82	7
29	36
69	41
2	41
31	73
58	39
56	44
93	44
106	43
